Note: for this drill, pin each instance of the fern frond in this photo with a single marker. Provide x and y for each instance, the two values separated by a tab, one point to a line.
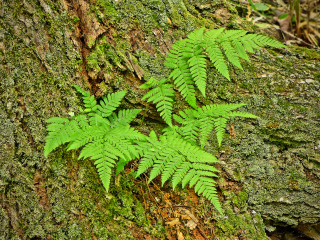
241	114
217	110
240	50
60	131
190	175
125	132
211	36
173	157
200	166
197	62
164	158
190	127
178	60
97	120
57	134
84	136
217	58
220	128
261	41
231	54
207	189
149	156
180	173
196	36
205	129
105	141
162	95
89	101
110	103
171	167
105	175
199	124
197	66
152	82
124	117
230	35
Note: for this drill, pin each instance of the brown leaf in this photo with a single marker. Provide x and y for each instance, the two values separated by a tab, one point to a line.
232	131
173	222
180	235
284	23
191	224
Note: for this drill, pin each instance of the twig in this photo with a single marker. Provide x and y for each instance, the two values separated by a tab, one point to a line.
299	39
144	113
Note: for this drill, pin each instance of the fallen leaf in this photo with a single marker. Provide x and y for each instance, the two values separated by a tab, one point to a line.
191	224
173	222
185	217
187	212
180	235
284	23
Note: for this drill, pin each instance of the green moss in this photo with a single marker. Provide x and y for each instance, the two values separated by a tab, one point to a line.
268	161
307	53
243	225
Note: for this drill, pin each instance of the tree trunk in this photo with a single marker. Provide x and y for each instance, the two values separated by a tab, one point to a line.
270	168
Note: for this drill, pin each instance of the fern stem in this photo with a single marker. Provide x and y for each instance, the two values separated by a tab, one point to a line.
144	113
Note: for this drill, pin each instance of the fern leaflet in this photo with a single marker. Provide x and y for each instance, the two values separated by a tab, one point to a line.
205	119
162	95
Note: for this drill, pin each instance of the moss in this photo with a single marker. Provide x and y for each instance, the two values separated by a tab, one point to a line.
267	157
307	53
232	224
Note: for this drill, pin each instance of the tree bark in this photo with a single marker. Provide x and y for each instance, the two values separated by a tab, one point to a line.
270	167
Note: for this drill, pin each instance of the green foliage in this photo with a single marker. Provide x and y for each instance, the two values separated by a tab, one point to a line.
199	124
178	154
162	94
104	136
188	56
174	157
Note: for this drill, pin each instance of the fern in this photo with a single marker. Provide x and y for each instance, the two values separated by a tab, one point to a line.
103	136
175	158
178	60
199	124
162	95
178	155
188	56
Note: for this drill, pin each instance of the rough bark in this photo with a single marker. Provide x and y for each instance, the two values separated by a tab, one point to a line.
270	168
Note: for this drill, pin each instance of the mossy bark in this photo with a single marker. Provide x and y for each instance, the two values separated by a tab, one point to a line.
270	168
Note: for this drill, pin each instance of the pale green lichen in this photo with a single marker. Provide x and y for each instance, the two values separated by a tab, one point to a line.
268	157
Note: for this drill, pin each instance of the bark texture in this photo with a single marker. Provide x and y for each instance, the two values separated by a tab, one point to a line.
270	167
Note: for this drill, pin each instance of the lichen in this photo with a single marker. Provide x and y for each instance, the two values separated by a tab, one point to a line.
275	159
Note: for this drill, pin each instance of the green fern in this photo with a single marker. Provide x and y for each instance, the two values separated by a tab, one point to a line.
188	56
199	124
178	154
162	94
182	76
175	158
103	136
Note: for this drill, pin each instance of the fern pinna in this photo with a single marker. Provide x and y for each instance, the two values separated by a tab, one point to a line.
104	136
197	125
174	157
162	94
188	57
